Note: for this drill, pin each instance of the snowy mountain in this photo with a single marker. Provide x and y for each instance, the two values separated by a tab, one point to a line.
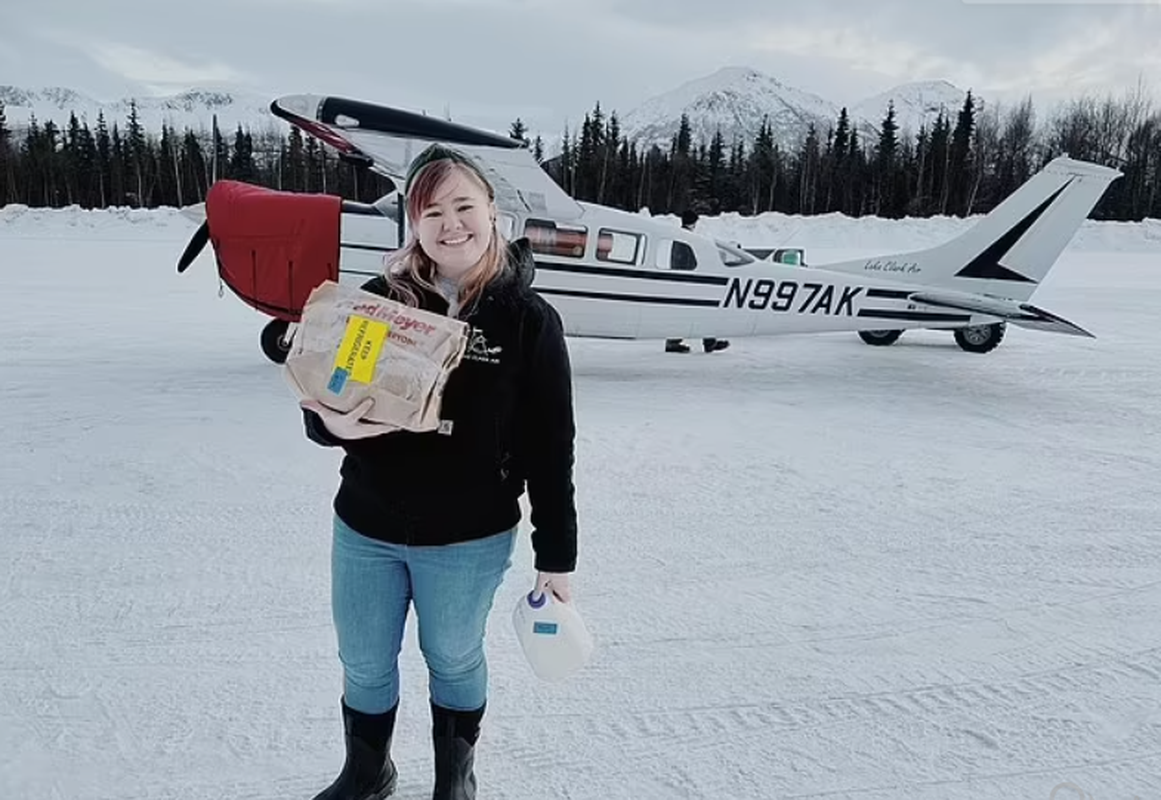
733	100
194	109
916	104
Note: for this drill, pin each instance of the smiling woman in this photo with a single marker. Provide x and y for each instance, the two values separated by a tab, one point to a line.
430	518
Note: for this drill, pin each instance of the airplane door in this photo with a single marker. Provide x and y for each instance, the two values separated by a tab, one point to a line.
671	319
569	260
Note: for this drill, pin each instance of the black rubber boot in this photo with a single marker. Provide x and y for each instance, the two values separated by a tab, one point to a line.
676	346
714	345
369	773
454	734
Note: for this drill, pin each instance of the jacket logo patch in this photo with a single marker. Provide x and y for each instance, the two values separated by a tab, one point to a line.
479	350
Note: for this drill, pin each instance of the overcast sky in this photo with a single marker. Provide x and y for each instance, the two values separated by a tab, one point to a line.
548	61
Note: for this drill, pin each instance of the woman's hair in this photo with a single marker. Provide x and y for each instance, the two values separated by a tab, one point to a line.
410	266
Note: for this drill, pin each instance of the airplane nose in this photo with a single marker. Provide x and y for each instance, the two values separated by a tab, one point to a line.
273	248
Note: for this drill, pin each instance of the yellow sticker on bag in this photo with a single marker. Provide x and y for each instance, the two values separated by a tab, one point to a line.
358	352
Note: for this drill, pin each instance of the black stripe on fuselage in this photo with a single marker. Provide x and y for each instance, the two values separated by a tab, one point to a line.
890	294
913	316
630	298
620	272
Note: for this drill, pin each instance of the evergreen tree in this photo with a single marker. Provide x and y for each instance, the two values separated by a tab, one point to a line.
7	162
959	159
220	153
519	131
89	176
35	190
311	182
681	165
136	156
808	172
918	178
104	166
937	189
835	164
852	200
117	162
886	170
609	185
294	166
762	178
590	156
168	171
242	167
732	191
567	159
715	170
42	168
626	174
70	161
193	169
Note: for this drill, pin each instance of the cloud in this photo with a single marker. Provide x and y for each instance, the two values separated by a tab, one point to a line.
857	49
551	61
160	71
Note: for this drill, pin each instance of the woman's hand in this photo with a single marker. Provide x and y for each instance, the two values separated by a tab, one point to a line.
349	425
555	582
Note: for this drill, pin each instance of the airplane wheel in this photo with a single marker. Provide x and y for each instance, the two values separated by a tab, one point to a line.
274	343
880	338
980	338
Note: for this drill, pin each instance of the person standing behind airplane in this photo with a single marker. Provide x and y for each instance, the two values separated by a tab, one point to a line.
430	519
689	218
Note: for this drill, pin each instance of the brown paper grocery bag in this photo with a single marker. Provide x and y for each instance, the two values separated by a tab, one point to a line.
352	344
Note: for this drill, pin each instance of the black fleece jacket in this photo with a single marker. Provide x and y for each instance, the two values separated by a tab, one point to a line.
509	408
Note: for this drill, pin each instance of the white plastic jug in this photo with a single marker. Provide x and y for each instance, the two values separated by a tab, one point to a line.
552	634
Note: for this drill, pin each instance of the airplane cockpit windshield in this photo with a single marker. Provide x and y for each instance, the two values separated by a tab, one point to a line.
732	255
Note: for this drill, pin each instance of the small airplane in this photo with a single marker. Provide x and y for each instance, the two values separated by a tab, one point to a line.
620	275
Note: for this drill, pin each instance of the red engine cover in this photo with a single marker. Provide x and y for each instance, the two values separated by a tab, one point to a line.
273	248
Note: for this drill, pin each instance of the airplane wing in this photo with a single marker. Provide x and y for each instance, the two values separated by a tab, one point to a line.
386	140
1025	315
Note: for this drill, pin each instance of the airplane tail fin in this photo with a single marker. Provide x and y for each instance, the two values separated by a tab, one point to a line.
1008	252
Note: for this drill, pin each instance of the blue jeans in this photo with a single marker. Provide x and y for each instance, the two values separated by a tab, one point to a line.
452	586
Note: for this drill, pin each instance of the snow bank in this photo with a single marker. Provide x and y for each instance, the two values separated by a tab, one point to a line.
111	224
822	232
840	232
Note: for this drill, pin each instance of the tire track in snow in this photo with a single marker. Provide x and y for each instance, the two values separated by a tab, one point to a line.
775	641
1053	771
720	728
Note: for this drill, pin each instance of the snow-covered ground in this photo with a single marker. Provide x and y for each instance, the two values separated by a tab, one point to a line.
814	569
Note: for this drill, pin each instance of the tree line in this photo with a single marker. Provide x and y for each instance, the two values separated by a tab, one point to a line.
964	163
128	166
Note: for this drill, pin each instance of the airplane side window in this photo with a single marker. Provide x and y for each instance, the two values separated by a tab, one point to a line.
551	239
617	246
682	257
